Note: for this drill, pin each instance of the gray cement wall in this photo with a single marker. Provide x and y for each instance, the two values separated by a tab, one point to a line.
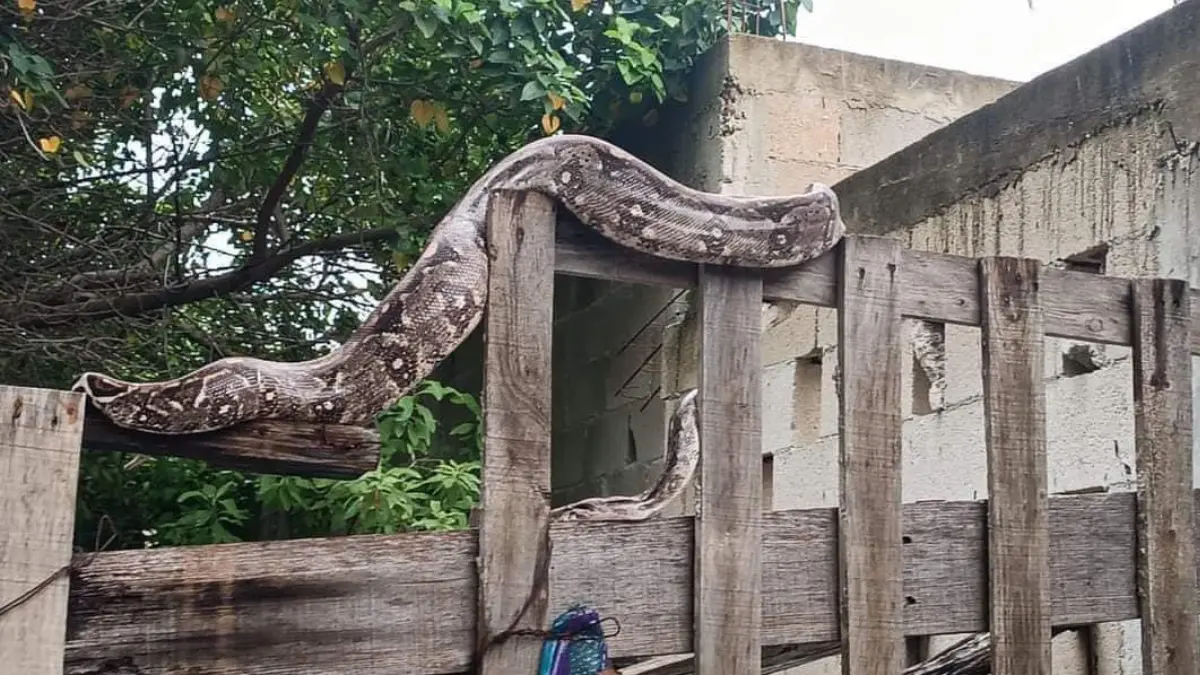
764	117
1090	166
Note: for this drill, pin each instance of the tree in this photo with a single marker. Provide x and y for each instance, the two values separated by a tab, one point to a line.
181	181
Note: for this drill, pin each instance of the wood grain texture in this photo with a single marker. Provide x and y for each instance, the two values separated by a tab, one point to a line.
40	431
870	352
774	660
1162	395
268	446
728	552
513	532
939	287
380	605
1014	402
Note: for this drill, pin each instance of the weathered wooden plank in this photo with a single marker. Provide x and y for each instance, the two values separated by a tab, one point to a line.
40	431
774	660
582	252
870	352
728	573
380	605
513	533
318	450
1014	402
1162	395
939	287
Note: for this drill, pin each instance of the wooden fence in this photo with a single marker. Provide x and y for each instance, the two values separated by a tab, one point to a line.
726	584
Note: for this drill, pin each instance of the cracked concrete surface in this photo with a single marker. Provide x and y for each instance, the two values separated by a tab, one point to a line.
1100	155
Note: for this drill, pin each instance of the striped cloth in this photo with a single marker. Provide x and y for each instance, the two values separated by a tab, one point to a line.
575	645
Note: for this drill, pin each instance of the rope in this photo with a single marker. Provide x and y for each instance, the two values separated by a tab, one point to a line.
29	594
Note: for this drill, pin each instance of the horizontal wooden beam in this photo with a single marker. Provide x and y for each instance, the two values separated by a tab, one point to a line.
379	605
939	286
316	450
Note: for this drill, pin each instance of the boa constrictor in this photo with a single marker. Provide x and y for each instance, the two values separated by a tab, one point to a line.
442	297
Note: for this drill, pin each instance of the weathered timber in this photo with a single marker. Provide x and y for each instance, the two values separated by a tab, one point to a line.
380	605
774	660
869	357
267	446
39	462
939	286
970	656
1162	409
1014	401
728	572
514	524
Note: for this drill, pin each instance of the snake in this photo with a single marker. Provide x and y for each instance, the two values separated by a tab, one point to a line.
441	298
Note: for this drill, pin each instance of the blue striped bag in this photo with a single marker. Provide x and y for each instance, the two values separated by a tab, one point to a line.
575	644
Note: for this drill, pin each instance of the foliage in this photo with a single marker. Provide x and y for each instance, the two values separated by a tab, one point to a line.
182	181
427	480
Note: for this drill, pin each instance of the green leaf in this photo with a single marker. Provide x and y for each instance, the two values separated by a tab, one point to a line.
427	24
532	89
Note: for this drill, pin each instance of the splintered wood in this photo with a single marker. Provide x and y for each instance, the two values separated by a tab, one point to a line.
728	576
1162	396
40	432
870	353
513	534
738	588
1014	402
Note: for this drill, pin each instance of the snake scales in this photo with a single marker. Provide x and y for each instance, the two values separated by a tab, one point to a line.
442	298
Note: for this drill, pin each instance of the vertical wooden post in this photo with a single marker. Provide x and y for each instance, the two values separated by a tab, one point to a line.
1014	403
869	539
728	569
513	534
40	434
1162	395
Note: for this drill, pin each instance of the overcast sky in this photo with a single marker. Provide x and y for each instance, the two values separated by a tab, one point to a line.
1000	38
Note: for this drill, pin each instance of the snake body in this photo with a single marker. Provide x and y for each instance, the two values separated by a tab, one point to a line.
442	297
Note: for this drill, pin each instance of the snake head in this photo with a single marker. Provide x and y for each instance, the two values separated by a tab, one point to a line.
125	403
157	407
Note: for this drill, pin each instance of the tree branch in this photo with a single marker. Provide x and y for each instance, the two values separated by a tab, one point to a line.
34	316
317	108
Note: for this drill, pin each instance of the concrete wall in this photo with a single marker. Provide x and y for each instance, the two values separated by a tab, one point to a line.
1090	166
764	117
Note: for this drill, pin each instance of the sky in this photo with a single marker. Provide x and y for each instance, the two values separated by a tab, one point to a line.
997	38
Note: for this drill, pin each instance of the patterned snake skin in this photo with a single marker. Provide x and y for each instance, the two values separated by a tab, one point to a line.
441	299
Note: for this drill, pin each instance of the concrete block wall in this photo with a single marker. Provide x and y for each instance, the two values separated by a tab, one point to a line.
1091	166
764	117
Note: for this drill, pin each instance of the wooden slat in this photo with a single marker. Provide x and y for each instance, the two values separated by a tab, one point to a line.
870	352
513	533
1162	394
381	605
728	576
317	450
939	287
1014	402
40	431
